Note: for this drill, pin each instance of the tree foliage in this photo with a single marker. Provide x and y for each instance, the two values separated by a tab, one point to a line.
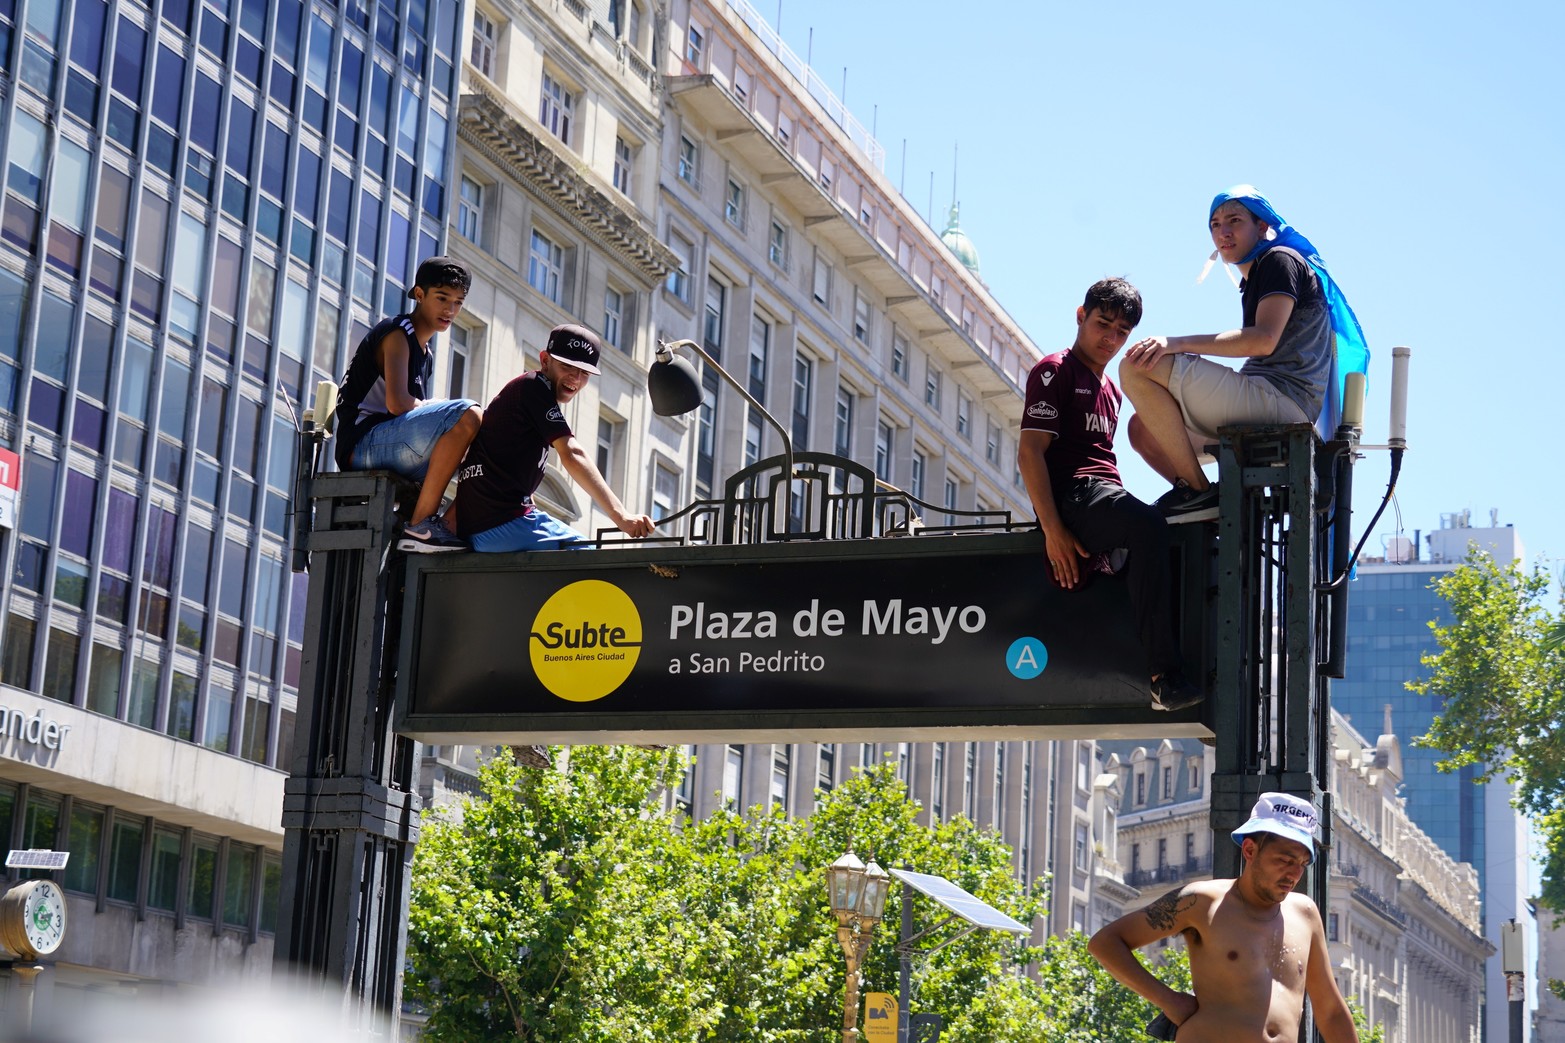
571	906
1502	680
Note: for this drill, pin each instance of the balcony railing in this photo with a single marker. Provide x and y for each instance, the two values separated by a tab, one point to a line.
1170	874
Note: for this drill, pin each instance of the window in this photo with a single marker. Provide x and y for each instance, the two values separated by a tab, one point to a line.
842	423
899	353
1332	928
733	204
1195	775
932	386
827	173
782	764
695	46
614	319
1141	787
883	443
689	161
546	267
1189	850
461	361
826	769
470	211
937	778
556	108
822	286
860	317
678	282
992	441
803	388
485	34
712	320
665	491
964	415
733	775
777	246
920	466
1081	848
950	500
1162	852
1168	783
608	448
684	795
624	155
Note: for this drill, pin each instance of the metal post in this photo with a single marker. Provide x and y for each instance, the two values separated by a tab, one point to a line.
1513	961
1269	705
905	954
350	807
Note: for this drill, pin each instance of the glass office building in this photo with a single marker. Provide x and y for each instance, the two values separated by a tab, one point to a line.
206	205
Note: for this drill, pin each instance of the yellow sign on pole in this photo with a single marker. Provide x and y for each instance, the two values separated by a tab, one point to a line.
880	1018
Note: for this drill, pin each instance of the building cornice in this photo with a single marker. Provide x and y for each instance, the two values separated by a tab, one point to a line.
486	124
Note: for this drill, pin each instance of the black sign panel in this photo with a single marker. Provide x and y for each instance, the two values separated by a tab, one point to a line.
882	636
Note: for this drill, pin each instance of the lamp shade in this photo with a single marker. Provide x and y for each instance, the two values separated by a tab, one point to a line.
674	386
845	883
876	884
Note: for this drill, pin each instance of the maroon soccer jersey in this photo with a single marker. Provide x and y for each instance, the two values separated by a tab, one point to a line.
1081	410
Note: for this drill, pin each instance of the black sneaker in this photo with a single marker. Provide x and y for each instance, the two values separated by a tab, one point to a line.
1172	692
430	536
1184	504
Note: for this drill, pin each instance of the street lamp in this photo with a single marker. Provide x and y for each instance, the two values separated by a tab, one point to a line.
858	898
675	389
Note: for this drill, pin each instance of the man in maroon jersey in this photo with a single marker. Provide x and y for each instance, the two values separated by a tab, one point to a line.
1066	456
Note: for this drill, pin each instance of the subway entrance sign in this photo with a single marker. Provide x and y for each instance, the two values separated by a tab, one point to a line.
954	636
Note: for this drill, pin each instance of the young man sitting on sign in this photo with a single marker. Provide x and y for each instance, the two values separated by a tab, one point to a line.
1066	456
494	508
1296	328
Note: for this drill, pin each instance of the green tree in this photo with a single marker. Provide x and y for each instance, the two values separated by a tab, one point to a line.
1367	1033
1503	686
569	906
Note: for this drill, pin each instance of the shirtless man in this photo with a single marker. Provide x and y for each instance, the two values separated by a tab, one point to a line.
1256	947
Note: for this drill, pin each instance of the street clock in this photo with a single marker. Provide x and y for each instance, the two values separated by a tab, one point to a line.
32	918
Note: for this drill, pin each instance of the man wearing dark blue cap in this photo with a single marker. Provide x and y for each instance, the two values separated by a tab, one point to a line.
494	507
1294	321
1257	947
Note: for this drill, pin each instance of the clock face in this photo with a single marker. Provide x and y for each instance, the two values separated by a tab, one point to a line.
43	917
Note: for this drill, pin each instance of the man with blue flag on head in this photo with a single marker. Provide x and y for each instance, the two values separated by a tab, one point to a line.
1298	339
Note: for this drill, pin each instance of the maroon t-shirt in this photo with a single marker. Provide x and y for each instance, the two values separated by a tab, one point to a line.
505	463
1081	410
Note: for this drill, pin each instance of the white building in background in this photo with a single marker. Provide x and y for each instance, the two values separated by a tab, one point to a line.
1402	917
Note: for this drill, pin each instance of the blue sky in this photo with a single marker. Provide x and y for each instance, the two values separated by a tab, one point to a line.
1420	146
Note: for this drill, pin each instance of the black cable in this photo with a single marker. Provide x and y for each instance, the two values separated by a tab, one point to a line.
1391	488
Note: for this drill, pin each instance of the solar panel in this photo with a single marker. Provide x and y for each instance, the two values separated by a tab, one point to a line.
974	910
36	858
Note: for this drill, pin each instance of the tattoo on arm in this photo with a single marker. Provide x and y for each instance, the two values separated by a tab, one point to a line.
1162	913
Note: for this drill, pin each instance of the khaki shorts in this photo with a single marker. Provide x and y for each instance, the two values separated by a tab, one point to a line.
1211	395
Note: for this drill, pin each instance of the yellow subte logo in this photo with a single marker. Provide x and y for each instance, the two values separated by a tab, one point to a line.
585	640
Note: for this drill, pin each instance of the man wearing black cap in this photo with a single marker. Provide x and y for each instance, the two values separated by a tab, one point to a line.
386	419
494	508
1257	947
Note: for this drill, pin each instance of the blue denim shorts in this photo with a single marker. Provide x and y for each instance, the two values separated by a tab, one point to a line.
534	530
403	443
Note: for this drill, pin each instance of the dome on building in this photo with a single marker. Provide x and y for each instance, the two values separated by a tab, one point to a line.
957	242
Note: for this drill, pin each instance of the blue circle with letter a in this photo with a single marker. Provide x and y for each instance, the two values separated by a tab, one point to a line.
1026	658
